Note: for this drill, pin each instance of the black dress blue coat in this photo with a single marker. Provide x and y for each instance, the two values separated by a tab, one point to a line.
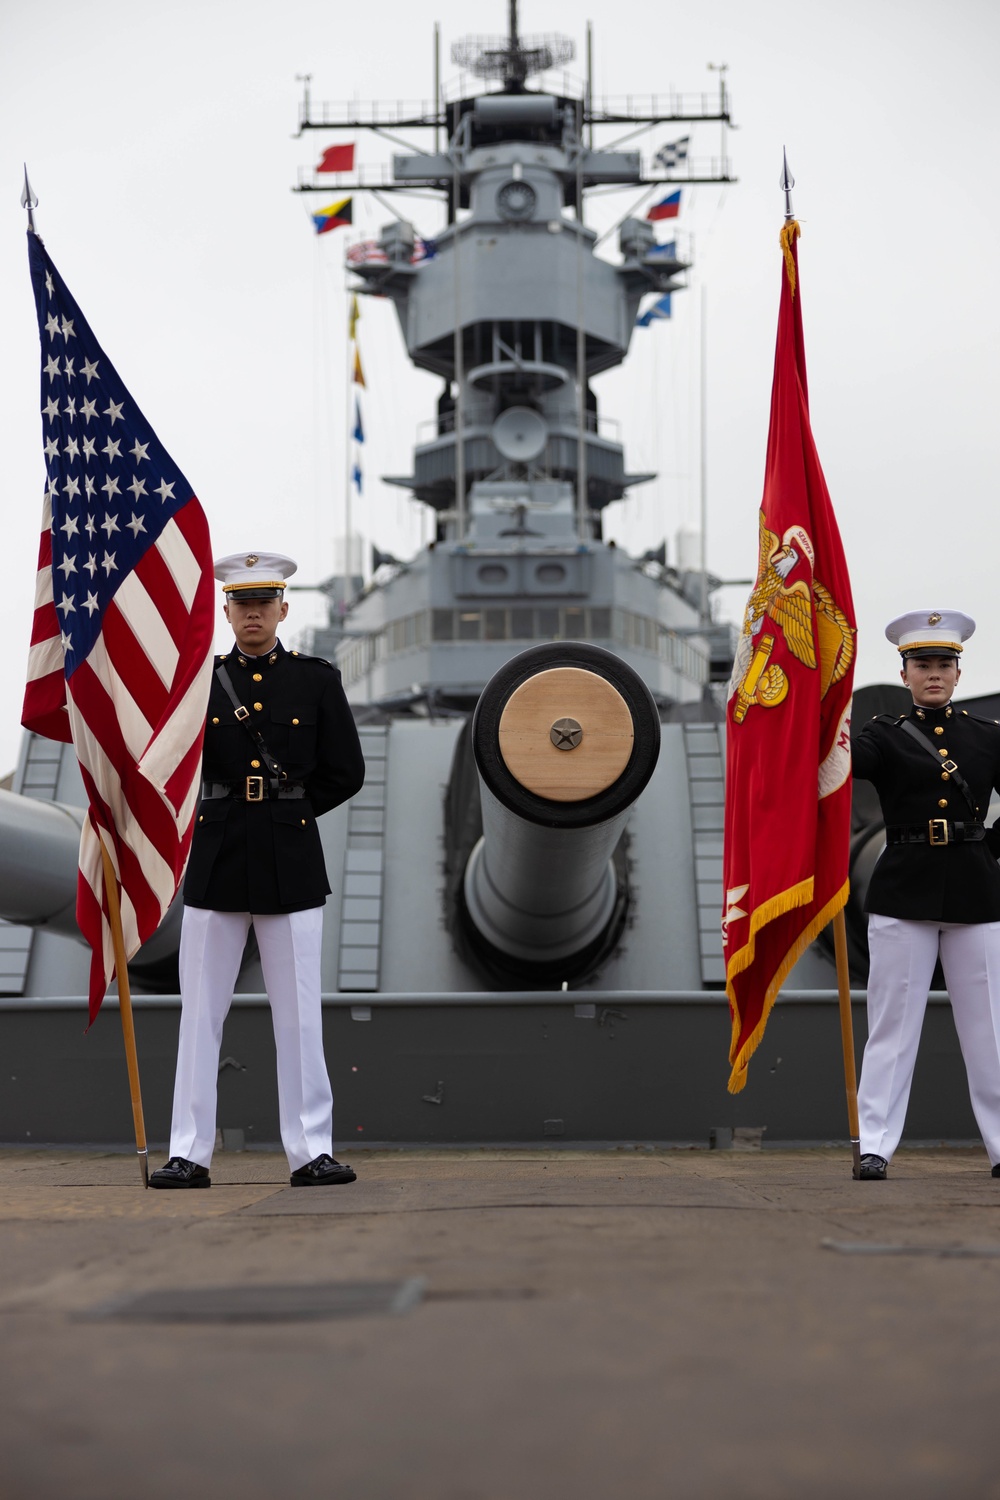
266	856
959	882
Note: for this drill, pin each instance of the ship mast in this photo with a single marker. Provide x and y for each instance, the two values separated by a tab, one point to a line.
511	308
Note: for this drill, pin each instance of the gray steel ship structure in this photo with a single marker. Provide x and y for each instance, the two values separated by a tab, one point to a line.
522	939
516	314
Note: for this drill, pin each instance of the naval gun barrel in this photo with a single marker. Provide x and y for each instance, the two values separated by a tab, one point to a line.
39	855
39	862
565	737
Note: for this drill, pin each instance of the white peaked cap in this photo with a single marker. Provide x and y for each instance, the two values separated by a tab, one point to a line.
930	630
254	575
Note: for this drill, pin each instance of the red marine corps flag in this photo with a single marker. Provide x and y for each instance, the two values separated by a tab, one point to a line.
788	763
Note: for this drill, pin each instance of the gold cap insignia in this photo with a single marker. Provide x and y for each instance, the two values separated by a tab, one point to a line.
934	619
253	559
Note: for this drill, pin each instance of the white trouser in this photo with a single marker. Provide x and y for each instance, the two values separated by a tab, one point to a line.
903	955
212	944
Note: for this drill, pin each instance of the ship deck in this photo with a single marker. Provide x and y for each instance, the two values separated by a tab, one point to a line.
483	1324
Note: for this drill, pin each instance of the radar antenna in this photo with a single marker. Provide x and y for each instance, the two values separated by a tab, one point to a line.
512	58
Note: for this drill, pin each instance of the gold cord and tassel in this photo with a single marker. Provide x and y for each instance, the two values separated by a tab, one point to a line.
789	234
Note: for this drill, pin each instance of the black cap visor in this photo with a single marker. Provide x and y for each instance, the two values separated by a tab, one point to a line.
243	595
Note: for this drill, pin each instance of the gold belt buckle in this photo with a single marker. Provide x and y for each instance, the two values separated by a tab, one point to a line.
933	825
255	789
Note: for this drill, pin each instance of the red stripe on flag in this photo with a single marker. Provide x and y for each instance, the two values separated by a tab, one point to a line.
195	639
45	624
138	675
161	586
178	785
90	919
101	715
144	900
44	709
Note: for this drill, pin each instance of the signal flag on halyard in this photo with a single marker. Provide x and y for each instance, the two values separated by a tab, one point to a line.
673	154
358	374
659	309
120	661
334	215
667	208
788	759
338	158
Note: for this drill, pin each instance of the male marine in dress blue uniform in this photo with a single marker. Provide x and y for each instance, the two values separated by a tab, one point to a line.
281	749
936	887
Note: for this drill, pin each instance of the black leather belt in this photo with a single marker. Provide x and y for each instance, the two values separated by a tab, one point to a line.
252	789
936	831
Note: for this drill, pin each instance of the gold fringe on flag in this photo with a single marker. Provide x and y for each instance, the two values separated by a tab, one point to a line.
789	234
777	906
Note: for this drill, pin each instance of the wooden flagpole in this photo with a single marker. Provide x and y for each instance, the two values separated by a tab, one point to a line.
125	1006
847	1037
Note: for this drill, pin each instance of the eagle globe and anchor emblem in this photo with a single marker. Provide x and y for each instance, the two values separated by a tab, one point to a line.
789	607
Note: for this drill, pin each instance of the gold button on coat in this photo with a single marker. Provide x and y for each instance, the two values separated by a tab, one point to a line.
215	721
938	729
255	764
258	678
258	706
942	802
295	721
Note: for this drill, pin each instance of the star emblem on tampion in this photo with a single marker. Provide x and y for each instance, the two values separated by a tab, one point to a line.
566	734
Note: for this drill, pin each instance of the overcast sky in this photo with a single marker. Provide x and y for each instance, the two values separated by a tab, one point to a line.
160	142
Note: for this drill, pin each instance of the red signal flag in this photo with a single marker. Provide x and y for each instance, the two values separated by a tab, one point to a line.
338	159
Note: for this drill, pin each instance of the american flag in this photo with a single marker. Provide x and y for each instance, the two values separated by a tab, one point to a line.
120	661
366	253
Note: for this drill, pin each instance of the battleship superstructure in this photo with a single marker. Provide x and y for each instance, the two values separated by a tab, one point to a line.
517	314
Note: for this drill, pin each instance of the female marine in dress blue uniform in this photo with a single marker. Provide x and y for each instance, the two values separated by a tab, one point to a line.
936	888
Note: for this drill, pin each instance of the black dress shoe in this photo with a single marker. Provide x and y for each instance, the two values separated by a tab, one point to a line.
180	1173
996	1170
323	1172
873	1168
